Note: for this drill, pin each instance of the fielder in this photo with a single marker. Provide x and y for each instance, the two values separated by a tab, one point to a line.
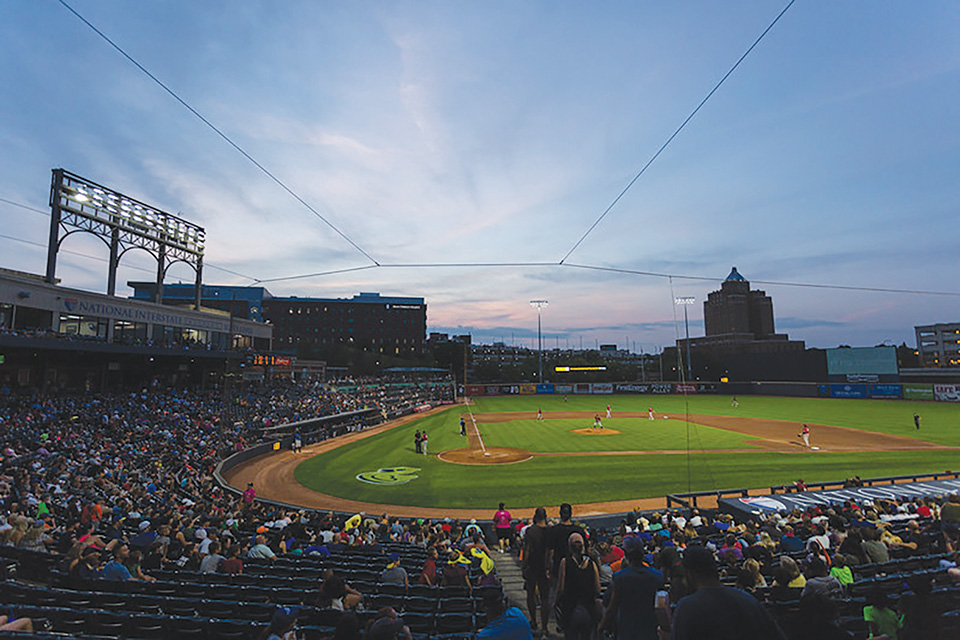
650	412
805	436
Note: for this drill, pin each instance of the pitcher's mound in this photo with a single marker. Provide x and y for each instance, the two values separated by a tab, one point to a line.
493	455
596	432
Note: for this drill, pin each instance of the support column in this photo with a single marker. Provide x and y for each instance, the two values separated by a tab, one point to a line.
53	243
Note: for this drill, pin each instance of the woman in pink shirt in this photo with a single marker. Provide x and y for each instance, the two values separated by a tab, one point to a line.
501	524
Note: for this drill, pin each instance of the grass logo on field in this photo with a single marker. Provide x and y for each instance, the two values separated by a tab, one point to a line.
391	475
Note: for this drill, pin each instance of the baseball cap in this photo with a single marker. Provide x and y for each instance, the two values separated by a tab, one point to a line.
283	618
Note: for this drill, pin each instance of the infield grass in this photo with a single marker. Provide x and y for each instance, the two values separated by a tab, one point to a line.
583	478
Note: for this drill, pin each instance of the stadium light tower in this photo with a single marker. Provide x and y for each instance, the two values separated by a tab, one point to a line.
539	304
686	302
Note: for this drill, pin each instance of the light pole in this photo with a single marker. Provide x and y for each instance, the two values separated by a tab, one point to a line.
686	302
539	304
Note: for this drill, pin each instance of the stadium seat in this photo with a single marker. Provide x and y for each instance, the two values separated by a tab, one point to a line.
457	622
187	628
419	622
106	623
456	605
230	629
420	604
147	627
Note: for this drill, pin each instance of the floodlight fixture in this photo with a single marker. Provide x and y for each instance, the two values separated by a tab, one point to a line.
539	304
123	223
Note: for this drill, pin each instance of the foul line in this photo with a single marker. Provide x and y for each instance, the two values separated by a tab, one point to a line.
473	419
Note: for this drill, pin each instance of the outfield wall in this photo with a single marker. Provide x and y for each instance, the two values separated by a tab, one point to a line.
877	391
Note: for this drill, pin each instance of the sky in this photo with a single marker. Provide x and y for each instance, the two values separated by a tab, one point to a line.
441	133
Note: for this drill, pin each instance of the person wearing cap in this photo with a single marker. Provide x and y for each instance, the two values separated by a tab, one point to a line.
715	611
281	625
578	588
145	536
505	623
394	573
631	613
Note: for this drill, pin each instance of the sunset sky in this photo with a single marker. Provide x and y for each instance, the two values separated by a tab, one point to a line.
439	133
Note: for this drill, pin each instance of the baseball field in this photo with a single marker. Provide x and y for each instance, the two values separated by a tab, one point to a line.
693	443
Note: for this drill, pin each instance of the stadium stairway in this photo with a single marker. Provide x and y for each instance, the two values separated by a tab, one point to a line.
511	579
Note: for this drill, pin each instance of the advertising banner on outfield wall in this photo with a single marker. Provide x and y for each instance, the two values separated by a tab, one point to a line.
884	390
581	387
756	505
544	388
686	388
848	391
528	389
602	387
563	388
946	392
659	388
918	391
474	389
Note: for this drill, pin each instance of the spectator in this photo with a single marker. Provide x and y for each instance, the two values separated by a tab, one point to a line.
630	613
348	627
714	611
115	569
504	623
882	621
260	549
213	561
841	571
819	581
233	564
921	615
535	570
873	549
428	575
281	625
817	619
749	578
134	566
387	625
394	573
454	572
501	524
337	594
577	591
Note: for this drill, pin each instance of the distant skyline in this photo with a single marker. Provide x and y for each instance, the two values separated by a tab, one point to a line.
436	133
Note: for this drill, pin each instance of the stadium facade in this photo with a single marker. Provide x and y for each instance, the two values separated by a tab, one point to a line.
54	337
394	325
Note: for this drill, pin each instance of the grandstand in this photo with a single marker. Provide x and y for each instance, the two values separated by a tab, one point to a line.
111	507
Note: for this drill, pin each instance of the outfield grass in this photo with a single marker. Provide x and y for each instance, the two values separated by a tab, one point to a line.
577	479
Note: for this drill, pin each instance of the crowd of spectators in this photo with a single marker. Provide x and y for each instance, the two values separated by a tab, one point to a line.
782	575
120	487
